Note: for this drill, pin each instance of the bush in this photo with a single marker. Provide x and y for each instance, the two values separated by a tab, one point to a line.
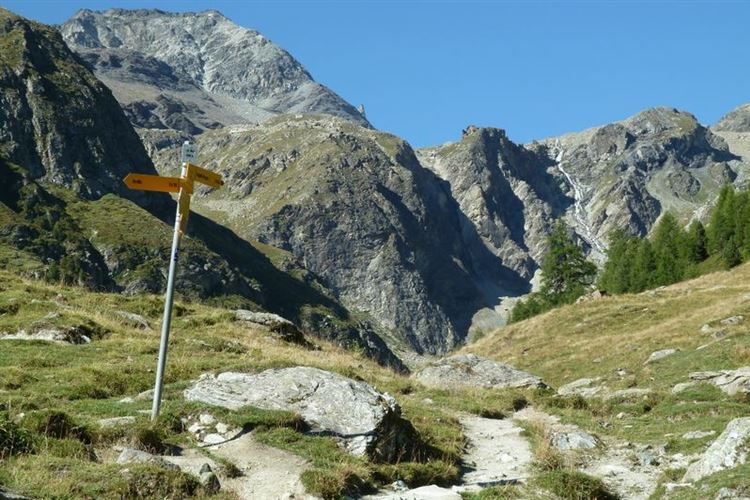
56	424
574	485
13	439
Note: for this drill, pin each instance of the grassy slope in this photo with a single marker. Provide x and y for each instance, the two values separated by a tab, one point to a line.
86	383
596	338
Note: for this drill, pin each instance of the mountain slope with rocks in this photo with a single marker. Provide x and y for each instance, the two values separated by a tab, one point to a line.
356	208
195	71
66	215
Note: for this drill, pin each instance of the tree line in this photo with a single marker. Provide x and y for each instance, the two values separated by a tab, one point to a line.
670	254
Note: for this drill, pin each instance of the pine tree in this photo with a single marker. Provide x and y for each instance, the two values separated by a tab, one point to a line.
669	253
615	276
565	270
644	267
731	253
697	242
721	226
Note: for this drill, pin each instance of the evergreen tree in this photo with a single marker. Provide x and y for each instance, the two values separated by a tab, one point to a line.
565	270
565	275
644	267
615	276
669	253
721	226
697	242
731	253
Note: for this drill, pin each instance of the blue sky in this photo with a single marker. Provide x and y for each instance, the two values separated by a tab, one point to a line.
426	69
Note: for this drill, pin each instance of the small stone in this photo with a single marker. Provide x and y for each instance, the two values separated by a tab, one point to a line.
222	428
698	434
195	428
130	455
629	393
659	355
145	395
205	468
116	421
706	328
719	334
210	439
127	400
732	320
678	388
206	419
582	387
621	415
210	482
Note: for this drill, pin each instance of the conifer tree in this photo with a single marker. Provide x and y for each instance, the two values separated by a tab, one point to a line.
669	253
565	270
697	242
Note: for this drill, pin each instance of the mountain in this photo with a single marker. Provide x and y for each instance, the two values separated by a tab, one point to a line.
624	174
65	214
734	128
356	208
195	71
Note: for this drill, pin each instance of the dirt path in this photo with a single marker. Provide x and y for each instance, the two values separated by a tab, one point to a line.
496	453
268	473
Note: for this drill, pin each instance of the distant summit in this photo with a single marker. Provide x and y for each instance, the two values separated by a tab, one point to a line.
195	71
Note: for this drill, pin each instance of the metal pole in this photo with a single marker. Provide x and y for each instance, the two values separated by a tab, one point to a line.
167	312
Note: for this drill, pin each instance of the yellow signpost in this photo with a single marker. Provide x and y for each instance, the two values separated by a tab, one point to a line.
184	186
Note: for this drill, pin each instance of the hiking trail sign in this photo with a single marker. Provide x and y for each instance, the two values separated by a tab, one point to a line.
182	185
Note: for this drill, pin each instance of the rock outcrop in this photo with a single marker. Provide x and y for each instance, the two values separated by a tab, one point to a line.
364	421
195	71
470	370
730	381
729	450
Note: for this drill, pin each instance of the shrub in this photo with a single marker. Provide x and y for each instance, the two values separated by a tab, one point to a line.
13	439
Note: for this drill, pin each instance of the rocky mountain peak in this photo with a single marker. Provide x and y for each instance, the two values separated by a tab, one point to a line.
737	120
195	71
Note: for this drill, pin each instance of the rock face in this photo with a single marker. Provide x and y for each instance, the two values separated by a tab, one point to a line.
364	420
729	450
355	208
505	192
625	174
470	370
57	120
730	381
195	71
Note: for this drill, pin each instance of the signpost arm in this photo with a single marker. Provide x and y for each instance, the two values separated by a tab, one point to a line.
167	312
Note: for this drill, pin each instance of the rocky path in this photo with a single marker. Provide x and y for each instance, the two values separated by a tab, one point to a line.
496	453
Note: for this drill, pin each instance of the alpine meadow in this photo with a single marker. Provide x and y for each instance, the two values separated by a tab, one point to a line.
219	278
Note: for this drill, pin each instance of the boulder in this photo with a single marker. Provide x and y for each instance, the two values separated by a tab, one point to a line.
130	455
65	335
659	355
274	323
470	370
730	381
574	439
581	387
364	421
729	450
133	320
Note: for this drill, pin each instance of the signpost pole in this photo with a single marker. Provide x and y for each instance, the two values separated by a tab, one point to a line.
168	299
184	185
